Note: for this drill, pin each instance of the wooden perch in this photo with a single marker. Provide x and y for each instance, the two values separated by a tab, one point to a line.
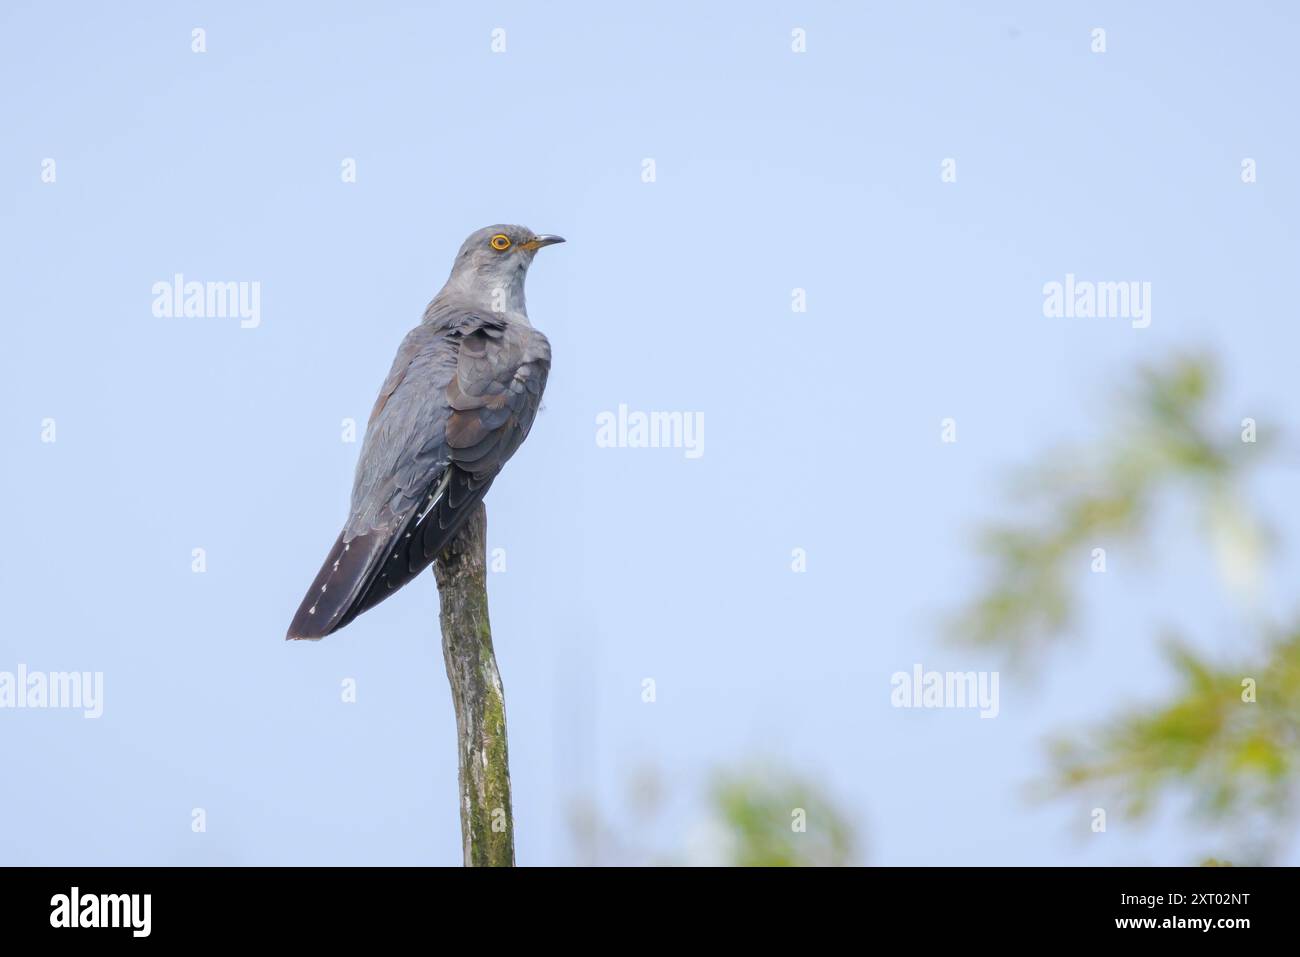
486	818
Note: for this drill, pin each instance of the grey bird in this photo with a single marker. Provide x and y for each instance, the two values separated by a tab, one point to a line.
458	402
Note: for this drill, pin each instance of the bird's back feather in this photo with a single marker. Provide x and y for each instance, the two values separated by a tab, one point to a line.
459	400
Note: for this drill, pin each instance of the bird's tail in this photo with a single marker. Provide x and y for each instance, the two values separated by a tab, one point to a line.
339	584
360	573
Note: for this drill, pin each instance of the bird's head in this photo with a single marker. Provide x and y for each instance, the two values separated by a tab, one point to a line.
493	261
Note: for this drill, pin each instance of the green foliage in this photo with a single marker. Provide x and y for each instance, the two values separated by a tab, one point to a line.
763	816
1228	737
1106	492
759	816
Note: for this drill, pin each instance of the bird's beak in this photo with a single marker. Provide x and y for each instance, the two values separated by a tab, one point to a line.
537	242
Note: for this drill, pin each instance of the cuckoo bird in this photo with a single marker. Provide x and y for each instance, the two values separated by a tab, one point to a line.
459	400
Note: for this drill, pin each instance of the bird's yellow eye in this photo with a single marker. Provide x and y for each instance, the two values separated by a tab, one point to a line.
500	242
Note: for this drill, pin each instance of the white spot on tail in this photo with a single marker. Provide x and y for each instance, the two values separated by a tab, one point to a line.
435	495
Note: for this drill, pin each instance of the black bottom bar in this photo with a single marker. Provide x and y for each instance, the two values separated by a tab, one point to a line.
334	906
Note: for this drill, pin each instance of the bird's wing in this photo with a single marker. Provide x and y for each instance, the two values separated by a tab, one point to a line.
459	400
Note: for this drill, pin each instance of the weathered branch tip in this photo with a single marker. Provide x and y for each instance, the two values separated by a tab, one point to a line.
486	817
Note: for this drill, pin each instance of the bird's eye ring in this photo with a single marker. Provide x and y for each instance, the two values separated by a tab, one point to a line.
500	242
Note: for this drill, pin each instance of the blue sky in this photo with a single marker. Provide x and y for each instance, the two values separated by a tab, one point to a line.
774	171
